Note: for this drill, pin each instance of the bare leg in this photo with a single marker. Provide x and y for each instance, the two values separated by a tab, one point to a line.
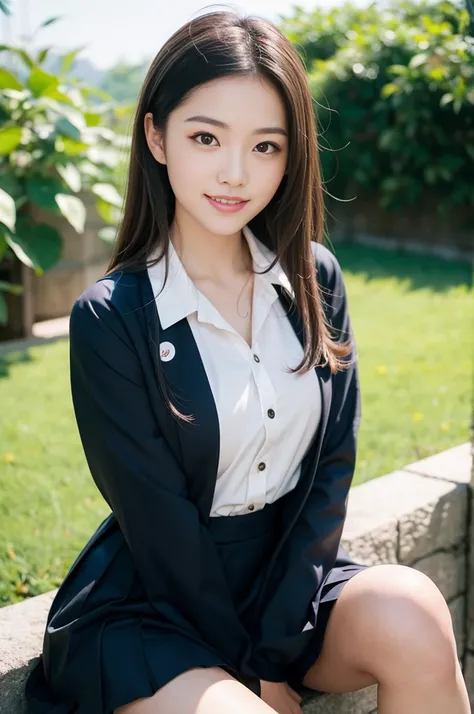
203	690
391	626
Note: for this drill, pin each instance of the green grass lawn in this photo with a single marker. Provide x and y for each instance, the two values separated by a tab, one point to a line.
414	322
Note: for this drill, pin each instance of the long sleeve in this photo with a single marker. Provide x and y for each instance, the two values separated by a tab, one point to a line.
143	483
312	546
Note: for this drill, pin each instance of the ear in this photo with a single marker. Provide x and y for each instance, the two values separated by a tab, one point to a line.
154	138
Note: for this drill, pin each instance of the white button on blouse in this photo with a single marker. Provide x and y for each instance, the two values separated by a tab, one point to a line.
267	416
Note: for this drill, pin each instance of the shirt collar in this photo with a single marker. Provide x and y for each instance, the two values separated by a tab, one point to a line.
180	298
262	257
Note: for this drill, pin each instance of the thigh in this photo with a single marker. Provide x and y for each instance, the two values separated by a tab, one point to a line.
201	690
338	668
387	619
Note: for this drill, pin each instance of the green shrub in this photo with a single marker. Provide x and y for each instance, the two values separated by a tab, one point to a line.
394	95
54	144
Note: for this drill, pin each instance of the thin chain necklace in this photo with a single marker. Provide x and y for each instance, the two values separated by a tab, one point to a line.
240	295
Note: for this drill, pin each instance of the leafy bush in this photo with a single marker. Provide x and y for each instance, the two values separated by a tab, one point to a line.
54	146
394	94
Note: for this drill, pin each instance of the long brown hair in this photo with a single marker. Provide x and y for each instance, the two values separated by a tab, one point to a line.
214	45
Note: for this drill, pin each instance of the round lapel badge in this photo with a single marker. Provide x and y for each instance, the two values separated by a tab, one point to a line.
167	351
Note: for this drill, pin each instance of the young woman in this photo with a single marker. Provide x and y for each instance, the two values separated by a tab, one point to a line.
214	380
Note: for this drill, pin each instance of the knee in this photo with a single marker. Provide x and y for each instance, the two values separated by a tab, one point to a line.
404	627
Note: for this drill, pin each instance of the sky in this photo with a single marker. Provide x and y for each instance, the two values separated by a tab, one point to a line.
132	30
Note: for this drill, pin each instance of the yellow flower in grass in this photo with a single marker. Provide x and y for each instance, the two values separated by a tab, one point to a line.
418	416
381	370
445	426
9	458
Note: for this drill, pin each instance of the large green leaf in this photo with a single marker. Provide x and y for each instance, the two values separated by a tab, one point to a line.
96	92
90	170
106	155
5	115
29	61
20	253
42	192
58	105
39	81
109	213
43	54
17	95
108	193
54	93
9	81
107	234
72	113
73	210
68	59
50	21
70	147
124	110
71	175
3	243
418	60
5	7
92	118
66	128
11	184
36	244
9	139
7	210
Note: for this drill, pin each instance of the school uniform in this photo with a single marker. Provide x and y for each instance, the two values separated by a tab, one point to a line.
223	545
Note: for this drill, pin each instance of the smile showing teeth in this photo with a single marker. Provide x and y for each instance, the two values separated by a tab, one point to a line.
224	200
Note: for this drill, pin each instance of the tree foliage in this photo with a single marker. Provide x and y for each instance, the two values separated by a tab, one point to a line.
393	87
54	145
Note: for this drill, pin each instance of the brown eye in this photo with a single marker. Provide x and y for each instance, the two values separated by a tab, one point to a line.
205	138
266	144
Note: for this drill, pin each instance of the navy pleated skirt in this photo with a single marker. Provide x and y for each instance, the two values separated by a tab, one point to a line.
103	645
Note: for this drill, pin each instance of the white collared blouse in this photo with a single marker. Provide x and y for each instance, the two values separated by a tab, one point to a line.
267	416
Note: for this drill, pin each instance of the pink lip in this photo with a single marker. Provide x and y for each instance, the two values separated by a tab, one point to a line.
227	207
229	198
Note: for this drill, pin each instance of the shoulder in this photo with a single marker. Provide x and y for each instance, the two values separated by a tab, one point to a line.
328	272
104	304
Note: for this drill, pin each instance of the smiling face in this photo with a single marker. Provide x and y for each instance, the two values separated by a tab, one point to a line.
228	139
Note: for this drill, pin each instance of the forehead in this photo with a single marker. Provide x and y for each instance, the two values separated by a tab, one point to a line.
230	100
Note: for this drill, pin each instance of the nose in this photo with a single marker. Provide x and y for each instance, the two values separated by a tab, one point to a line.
233	170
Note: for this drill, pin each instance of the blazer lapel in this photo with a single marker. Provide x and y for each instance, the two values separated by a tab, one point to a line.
323	373
190	392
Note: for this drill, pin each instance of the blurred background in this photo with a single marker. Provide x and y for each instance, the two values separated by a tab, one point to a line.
393	89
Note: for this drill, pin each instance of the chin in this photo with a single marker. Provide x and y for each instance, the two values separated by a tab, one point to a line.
227	226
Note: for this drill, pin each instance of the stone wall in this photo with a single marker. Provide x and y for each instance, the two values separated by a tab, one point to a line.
416	227
418	516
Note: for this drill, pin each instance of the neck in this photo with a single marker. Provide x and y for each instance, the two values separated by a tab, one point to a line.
209	256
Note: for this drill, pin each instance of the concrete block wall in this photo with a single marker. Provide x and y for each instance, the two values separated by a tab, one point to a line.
418	516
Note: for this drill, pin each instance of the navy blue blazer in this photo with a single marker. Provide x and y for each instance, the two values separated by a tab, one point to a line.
158	474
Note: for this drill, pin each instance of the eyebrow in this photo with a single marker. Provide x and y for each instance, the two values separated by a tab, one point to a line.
222	125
